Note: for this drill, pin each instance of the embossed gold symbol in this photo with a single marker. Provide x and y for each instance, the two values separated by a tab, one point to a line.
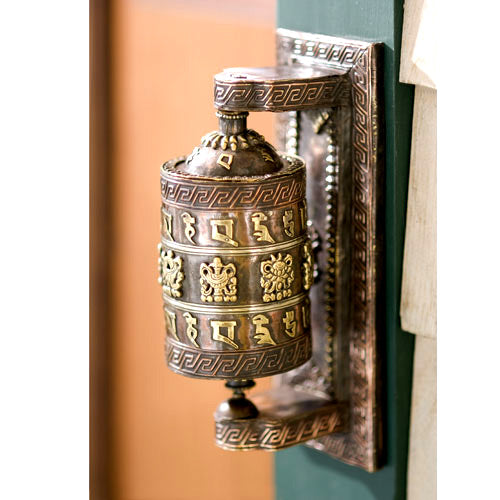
189	230
227	339
277	277
227	235
290	323
191	331
265	155
259	230
171	273
307	266
262	334
218	282
288	223
303	215
166	221
171	321
306	316
225	160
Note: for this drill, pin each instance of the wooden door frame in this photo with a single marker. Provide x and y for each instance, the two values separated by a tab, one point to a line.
100	239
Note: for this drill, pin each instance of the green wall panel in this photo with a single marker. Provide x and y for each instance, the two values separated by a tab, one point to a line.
303	473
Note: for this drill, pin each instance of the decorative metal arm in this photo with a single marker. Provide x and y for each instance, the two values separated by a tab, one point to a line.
279	88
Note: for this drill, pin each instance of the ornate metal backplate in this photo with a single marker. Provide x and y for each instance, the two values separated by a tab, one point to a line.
342	146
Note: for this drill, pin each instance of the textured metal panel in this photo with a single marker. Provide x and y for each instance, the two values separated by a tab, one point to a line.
342	149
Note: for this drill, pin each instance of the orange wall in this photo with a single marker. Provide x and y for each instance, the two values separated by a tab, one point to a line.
163	58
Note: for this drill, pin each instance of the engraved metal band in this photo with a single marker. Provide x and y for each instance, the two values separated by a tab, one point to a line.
197	250
198	308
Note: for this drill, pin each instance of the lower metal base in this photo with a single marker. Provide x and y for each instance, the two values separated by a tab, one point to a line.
286	417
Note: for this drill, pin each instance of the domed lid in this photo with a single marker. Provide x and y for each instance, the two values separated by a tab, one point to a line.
233	150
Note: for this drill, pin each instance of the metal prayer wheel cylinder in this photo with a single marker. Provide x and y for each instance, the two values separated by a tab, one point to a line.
235	257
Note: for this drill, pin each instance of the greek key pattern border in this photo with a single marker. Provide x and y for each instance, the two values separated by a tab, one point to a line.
246	364
234	196
361	446
279	97
271	435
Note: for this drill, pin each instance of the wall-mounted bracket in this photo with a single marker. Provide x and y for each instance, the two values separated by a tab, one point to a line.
343	149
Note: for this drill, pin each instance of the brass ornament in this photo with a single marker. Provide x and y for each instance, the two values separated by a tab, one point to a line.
262	334
218	282
308	266
290	323
167	225
171	274
260	231
222	230
229	326
241	141
225	160
265	155
191	331
303	216
288	223
171	320
306	316
277	277
189	222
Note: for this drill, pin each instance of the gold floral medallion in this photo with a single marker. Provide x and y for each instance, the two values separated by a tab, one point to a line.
277	277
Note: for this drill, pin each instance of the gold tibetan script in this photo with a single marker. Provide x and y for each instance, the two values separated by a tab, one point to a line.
166	222
217	335
189	230
191	331
288	223
171	321
290	323
303	215
227	235
306	316
262	334
260	231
